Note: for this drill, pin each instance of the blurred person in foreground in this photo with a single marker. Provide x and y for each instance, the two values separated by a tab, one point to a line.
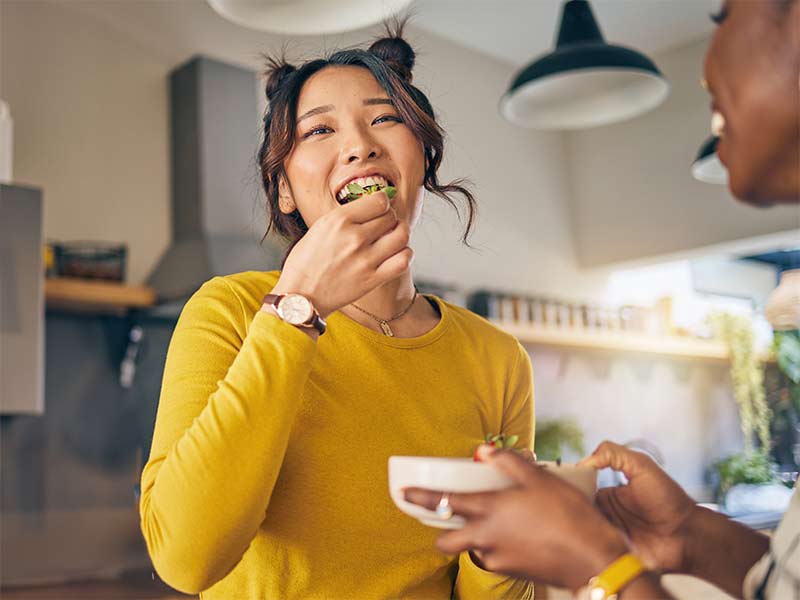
545	530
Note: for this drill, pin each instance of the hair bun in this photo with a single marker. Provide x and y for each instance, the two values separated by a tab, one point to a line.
276	72
397	53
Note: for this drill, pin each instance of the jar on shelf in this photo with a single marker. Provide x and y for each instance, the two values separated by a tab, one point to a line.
516	309
506	309
613	320
550	313
493	307
535	312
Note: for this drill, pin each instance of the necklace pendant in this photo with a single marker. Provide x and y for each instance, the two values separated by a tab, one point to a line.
386	329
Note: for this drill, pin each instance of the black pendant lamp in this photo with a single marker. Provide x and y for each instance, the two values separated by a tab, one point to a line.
707	167
584	82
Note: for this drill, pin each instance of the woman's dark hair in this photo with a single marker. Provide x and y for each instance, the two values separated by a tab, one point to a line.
390	60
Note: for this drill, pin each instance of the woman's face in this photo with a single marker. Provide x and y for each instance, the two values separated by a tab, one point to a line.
753	73
347	127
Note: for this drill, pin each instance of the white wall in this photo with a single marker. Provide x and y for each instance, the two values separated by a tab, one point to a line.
632	193
684	408
91	128
522	240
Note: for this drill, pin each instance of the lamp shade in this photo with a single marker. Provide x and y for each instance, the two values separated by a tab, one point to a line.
584	82
706	166
307	17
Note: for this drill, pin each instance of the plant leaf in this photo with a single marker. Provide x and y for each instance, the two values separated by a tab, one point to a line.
787	349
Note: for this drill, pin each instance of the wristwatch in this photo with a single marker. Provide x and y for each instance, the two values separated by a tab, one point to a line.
296	310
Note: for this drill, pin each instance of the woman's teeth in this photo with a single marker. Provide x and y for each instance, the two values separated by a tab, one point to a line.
363	182
717	124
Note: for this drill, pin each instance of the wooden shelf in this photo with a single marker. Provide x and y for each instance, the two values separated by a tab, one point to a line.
634	343
96	296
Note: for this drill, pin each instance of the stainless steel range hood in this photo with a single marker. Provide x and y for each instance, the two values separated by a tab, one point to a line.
217	203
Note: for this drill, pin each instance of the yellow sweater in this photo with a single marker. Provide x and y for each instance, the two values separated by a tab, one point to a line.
267	477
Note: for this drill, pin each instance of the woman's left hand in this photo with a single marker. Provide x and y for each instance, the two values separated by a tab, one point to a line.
542	529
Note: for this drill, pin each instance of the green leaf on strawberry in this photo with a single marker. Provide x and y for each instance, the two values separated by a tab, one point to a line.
500	442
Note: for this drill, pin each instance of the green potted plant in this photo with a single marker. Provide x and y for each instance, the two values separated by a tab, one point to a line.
554	436
747	482
783	385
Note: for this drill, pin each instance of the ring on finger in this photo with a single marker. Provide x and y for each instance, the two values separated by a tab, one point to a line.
443	509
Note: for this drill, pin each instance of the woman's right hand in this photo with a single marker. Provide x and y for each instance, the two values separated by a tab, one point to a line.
652	509
347	253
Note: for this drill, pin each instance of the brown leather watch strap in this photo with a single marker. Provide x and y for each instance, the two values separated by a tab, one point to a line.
273	300
316	321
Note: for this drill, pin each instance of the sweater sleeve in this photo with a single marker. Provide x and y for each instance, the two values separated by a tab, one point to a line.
473	581
228	401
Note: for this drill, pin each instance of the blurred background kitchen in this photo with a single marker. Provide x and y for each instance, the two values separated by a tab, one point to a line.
658	312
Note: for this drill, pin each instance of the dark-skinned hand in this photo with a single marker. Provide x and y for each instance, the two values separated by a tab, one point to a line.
542	529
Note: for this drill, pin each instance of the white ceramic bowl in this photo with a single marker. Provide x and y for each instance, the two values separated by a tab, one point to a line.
464	475
445	474
583	478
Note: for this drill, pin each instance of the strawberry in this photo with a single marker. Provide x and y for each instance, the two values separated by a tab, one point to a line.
497	441
491	443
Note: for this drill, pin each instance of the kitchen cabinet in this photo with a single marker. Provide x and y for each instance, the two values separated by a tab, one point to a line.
21	301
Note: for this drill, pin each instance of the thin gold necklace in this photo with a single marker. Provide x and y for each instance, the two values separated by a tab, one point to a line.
384	323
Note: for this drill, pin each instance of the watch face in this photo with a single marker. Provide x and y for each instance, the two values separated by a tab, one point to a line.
295	309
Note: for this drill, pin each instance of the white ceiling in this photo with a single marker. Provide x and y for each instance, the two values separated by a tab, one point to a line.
517	30
513	31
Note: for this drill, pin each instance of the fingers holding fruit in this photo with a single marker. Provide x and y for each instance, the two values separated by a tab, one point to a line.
395	265
348	252
377	228
366	209
495	442
390	243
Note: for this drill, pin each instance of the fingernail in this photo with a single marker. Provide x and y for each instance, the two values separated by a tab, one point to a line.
485	451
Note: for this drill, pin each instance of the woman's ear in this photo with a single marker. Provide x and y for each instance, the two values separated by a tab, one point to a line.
285	198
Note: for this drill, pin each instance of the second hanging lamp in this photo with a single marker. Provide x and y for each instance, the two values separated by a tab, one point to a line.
585	81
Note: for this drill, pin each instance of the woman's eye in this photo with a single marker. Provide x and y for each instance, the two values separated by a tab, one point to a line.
317	130
719	17
385	118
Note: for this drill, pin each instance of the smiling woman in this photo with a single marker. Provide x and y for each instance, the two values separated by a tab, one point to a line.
383	75
285	393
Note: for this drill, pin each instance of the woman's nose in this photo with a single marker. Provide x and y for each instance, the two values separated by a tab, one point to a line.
359	148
